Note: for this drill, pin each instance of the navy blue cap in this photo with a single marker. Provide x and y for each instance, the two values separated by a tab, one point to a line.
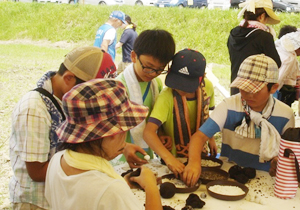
188	66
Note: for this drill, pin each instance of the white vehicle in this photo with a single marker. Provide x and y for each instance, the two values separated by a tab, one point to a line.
93	2
223	4
295	3
138	2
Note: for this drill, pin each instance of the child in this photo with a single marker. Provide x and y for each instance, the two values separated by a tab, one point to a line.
251	121
37	115
286	29
288	47
152	51
180	109
99	113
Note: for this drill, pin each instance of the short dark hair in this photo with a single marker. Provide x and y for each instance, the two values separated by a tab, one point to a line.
157	43
90	147
63	69
286	29
253	16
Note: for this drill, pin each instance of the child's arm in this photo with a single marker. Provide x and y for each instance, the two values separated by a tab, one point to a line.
192	171
152	139
166	140
147	181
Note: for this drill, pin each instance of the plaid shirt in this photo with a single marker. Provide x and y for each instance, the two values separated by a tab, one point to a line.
32	127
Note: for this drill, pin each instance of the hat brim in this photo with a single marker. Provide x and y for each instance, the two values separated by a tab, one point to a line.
182	82
78	133
123	21
273	18
248	85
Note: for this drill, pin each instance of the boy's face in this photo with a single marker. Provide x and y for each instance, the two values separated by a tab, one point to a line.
145	64
257	101
186	94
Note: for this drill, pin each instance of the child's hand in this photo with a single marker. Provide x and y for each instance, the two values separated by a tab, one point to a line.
273	167
191	173
167	142
175	166
212	147
146	178
130	154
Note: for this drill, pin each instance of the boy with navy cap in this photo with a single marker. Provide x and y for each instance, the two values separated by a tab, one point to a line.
180	109
106	37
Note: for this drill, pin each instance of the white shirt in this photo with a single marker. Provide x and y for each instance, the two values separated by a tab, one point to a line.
110	35
289	69
89	190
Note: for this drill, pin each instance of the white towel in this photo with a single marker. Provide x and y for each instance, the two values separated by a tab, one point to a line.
270	138
135	95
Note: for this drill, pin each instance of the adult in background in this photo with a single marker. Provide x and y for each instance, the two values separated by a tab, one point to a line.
252	36
288	47
106	37
126	42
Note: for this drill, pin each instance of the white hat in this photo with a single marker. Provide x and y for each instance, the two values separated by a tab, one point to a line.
291	41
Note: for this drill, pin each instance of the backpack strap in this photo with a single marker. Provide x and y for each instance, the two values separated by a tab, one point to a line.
251	32
51	97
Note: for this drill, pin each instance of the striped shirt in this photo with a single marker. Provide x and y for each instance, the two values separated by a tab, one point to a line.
243	151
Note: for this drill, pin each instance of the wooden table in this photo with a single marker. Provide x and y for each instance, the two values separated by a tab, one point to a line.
260	196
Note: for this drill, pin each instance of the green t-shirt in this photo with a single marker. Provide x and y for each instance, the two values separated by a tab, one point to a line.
163	111
148	102
209	89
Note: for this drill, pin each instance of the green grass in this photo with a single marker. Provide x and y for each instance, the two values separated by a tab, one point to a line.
200	29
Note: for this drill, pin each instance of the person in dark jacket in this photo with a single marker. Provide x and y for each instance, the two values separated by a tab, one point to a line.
126	42
252	36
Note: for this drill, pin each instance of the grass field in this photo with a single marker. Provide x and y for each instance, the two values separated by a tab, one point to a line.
35	37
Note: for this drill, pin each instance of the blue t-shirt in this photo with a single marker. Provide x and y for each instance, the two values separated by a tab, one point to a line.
99	39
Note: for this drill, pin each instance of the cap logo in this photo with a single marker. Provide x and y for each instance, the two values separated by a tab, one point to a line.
184	70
